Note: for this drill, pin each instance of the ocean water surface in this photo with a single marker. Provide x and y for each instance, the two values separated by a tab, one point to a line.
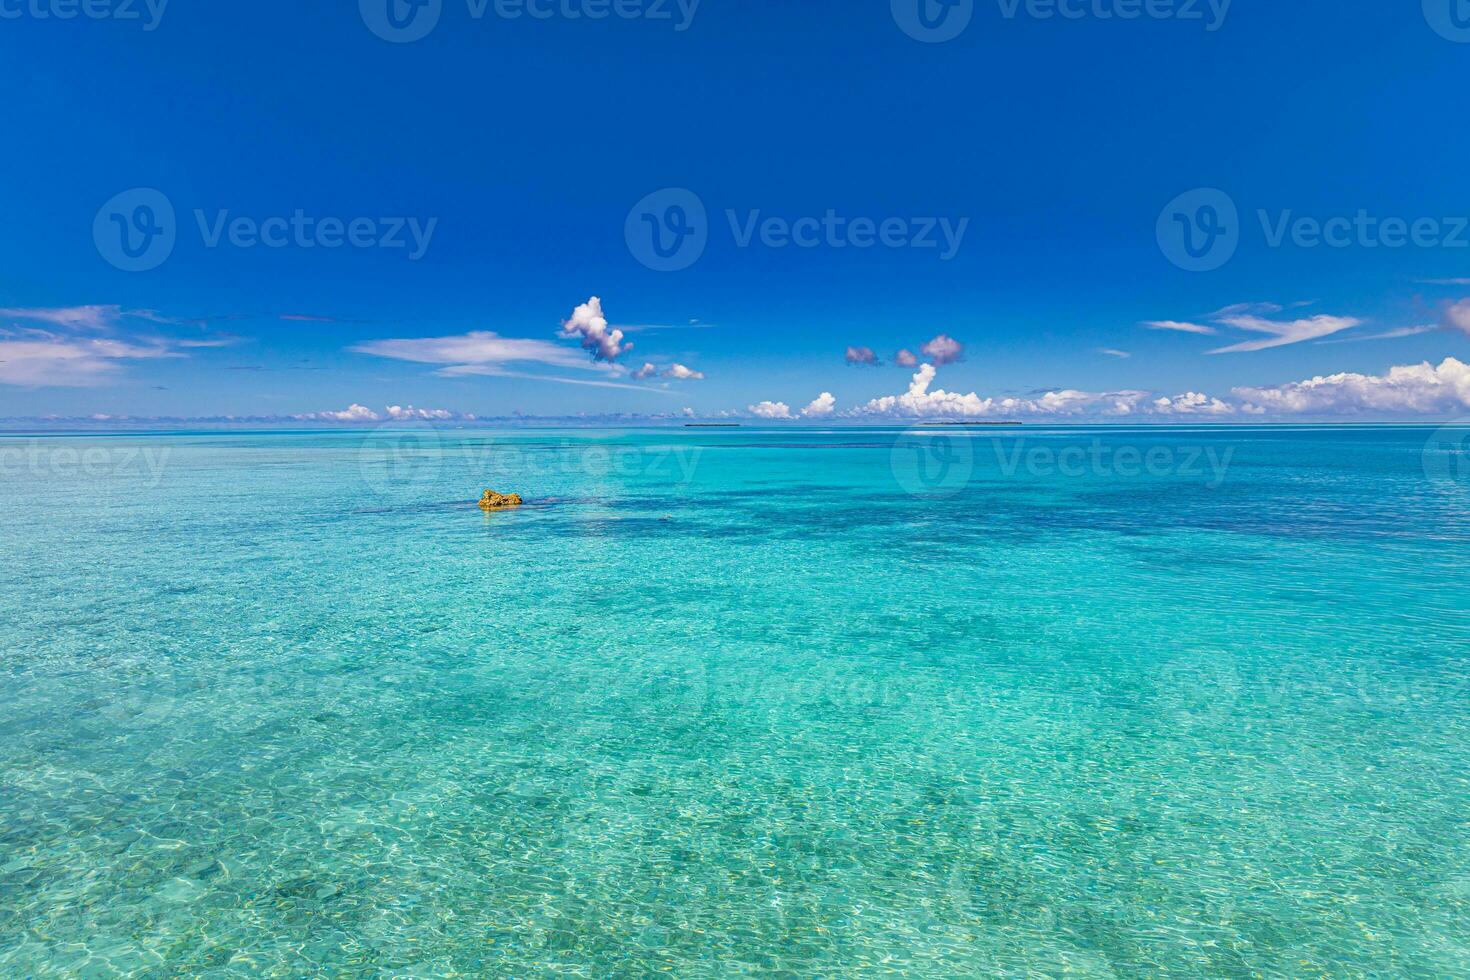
1090	702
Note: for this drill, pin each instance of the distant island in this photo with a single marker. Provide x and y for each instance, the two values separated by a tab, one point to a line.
711	425
972	423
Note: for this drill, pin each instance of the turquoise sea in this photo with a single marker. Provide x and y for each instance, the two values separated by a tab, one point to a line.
930	702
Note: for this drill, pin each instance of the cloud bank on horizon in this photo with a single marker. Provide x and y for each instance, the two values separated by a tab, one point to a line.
90	345
1403	390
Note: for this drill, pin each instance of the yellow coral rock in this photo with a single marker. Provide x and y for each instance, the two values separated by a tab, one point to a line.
498	501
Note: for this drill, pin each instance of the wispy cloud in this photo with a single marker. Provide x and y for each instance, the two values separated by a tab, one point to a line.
40	359
476	349
1444	282
1181	326
77	346
93	318
1283	332
1386	335
494	371
1111	352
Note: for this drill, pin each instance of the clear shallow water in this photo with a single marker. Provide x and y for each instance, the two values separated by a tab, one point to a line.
861	702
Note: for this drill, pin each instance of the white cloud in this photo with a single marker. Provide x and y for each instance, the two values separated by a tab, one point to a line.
943	350
1457	316
1111	352
1418	388
676	371
38	358
352	413
402	412
480	347
861	355
905	358
98	318
821	406
1444	282
81	345
920	402
1283	332
587	323
1191	403
1386	335
1253	309
1179	325
771	410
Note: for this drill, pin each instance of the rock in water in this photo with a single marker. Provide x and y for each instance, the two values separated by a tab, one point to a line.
491	500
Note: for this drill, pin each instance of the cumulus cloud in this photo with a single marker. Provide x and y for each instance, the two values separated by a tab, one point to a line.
589	325
821	406
352	413
402	412
1191	403
1179	325
676	371
1457	316
920	402
905	358
771	410
393	413
1283	332
1411	388
861	355
943	350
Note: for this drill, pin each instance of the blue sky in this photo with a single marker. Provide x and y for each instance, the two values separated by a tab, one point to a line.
495	169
